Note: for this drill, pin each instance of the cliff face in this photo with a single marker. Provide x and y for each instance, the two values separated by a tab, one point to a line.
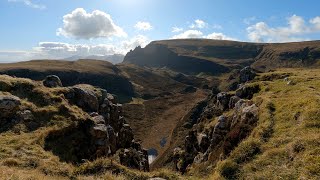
215	57
300	54
159	56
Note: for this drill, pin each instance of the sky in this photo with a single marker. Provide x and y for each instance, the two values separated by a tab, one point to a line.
58	29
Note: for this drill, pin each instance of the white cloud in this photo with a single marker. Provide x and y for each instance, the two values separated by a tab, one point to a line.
296	29
198	34
82	25
30	4
60	50
134	42
200	24
219	36
188	34
176	29
316	23
143	26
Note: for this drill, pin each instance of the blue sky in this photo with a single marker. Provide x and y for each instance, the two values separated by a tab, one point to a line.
33	29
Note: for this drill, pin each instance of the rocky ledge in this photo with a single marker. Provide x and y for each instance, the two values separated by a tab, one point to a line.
97	130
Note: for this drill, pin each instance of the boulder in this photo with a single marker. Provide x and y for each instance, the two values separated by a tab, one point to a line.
191	142
247	91
137	159
245	113
113	139
250	114
219	131
25	115
233	101
99	131
84	98
111	98
247	74
203	142
98	119
52	81
223	99
199	158
9	105
125	136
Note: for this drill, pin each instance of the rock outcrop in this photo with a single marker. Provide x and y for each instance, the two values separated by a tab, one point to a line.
216	142
247	91
104	133
9	105
52	81
84	98
247	74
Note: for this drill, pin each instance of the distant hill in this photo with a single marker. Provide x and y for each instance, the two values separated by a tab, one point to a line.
193	56
114	59
94	72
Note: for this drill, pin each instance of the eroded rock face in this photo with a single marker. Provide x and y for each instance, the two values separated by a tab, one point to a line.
104	134
247	91
83	98
9	105
247	74
224	136
233	101
52	81
223	99
135	158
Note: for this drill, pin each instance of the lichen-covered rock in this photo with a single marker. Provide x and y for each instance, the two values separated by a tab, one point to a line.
203	142
191	142
247	74
9	105
125	136
223	99
134	158
84	98
247	91
52	81
25	115
233	101
113	139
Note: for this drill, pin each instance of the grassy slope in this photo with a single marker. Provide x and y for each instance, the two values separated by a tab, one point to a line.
22	154
287	135
92	66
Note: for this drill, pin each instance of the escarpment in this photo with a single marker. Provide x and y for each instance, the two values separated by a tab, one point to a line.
194	56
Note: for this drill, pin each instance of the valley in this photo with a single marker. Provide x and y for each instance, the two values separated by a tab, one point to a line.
201	109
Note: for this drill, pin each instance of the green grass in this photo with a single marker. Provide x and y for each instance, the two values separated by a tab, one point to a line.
285	143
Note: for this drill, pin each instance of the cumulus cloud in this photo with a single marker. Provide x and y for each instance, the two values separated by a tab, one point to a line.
294	31
60	50
82	25
188	34
200	24
198	34
143	26
134	42
219	36
29	3
176	29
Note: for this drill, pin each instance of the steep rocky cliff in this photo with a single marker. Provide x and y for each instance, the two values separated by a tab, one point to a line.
192	56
